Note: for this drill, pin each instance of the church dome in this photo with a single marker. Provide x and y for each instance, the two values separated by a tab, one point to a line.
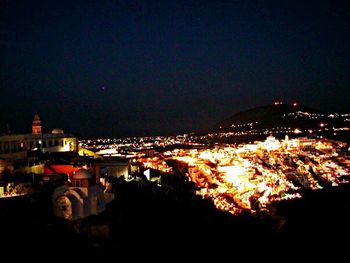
83	174
57	131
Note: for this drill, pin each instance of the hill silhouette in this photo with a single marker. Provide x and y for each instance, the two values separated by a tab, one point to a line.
269	114
283	119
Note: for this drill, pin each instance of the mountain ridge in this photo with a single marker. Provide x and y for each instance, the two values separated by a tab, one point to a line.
271	111
283	119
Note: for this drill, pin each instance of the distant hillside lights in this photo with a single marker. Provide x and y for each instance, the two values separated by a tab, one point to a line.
281	119
297	131
295	104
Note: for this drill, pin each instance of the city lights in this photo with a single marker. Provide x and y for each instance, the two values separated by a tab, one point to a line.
250	177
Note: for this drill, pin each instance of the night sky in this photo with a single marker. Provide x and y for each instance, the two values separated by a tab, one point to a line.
132	68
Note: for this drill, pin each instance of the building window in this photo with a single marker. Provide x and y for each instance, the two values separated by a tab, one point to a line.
76	183
44	144
85	183
50	143
61	142
7	150
56	142
11	148
16	147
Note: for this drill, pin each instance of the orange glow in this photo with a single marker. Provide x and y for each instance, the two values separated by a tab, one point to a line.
67	169
239	179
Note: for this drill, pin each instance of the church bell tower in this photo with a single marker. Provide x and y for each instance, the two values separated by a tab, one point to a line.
36	126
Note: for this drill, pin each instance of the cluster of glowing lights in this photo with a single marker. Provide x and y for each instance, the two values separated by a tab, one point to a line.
12	190
8	194
156	164
248	178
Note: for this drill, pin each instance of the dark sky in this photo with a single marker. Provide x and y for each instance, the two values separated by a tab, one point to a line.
119	68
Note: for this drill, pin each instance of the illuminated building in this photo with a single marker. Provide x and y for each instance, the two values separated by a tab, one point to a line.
253	176
16	146
271	144
36	126
83	198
